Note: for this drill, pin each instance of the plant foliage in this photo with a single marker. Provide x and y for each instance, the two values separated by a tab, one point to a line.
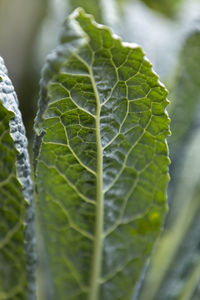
16	193
102	128
101	158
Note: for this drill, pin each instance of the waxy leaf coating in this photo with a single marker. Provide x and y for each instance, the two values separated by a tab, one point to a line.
102	163
17	251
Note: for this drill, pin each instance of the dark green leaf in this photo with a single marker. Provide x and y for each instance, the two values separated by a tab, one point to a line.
102	163
16	193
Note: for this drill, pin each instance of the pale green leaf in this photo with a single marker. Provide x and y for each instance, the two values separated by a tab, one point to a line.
121	6
104	12
94	7
196	294
185	93
175	268
167	7
102	163
17	258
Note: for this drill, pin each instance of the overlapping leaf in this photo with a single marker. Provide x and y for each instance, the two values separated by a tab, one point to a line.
16	274
102	163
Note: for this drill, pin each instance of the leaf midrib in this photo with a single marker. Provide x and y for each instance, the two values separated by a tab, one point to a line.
99	235
98	239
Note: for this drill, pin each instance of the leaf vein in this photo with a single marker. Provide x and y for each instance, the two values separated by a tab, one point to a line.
74	154
83	197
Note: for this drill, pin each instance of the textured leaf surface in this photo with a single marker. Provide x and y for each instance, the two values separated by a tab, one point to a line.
102	163
179	272
14	174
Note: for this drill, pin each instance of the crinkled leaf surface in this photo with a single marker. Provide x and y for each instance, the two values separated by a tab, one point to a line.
102	163
15	282
179	272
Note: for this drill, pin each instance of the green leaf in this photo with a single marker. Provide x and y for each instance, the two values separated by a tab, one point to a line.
104	12
102	163
196	294
185	93
166	7
120	6
179	272
94	7
16	193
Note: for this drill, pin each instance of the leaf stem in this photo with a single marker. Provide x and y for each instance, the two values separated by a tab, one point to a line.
98	241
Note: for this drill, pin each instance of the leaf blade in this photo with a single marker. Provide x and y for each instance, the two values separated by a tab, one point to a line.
16	192
87	102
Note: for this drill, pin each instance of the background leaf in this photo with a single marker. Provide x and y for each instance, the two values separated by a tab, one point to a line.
196	293
93	7
185	94
184	113
16	194
166	7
